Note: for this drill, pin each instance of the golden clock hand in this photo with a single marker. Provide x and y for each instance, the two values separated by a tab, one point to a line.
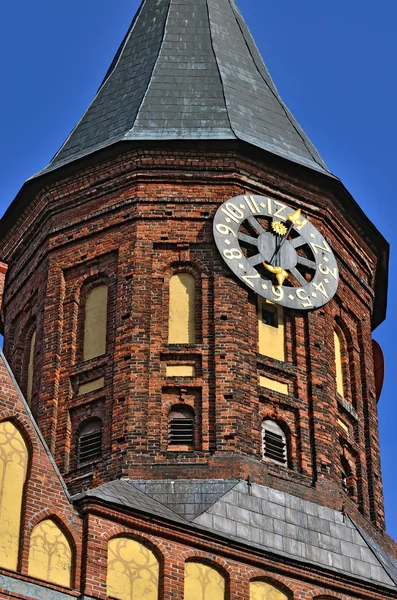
281	274
295	217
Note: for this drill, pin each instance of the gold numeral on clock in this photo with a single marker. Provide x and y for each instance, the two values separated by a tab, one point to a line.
280	210
320	288
325	270
306	302
247	278
233	212
251	203
324	247
232	254
278	293
224	229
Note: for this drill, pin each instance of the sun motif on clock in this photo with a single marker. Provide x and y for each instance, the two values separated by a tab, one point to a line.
276	251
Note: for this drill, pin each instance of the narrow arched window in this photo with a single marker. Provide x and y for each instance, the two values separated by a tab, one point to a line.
50	555
30	379
346	475
204	582
274	442
181	426
13	469
133	571
89	441
182	309
261	590
271	340
340	374
95	322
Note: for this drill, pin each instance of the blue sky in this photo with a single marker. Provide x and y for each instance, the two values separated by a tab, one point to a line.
333	63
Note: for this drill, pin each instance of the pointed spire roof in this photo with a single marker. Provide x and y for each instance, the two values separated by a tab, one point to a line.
189	70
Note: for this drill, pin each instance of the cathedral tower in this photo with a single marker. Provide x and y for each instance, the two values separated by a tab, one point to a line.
188	312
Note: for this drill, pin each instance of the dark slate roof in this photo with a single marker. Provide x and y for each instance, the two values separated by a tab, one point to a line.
188	70
188	498
262	518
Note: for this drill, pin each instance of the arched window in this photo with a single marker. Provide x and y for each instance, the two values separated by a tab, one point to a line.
270	330
133	571
95	322
181	426
274	442
50	555
29	386
260	590
89	441
182	309
340	374
204	582
13	469
346	474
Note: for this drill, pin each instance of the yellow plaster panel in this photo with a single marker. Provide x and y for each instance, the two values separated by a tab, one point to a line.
271	339
259	590
95	322
91	386
13	466
343	425
203	583
338	365
180	371
182	309
50	556
133	571
29	388
272	384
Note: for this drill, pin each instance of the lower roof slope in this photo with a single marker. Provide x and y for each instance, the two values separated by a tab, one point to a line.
260	517
189	69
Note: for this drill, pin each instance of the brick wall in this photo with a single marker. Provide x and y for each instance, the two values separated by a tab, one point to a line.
135	220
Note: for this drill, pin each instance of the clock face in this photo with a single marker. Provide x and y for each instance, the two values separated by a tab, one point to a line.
276	252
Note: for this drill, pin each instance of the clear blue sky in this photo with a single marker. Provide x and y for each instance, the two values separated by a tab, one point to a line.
333	63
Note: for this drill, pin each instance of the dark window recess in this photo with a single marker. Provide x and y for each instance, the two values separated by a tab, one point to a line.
345	473
269	317
181	427
274	442
90	441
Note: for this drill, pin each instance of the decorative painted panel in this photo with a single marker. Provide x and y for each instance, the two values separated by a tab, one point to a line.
13	467
260	590
203	582
133	571
182	310
50	555
95	322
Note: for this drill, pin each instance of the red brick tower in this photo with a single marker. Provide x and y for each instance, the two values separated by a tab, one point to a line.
148	360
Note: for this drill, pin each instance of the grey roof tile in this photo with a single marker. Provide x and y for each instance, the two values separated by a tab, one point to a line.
189	69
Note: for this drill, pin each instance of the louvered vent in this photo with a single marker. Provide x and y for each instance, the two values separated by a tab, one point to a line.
181	427
90	442
274	442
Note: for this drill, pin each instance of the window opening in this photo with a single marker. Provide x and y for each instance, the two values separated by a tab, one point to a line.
181	427
90	441
274	443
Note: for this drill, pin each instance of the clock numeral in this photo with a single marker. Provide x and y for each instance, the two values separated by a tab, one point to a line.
278	293
302	295
280	210
232	254
251	203
316	247
233	212
320	288
224	229
325	270
247	278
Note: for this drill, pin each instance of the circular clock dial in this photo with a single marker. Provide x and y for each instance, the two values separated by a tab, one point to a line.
276	251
